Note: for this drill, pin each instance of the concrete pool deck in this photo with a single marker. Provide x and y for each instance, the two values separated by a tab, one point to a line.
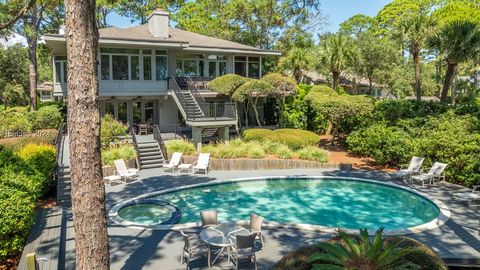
457	241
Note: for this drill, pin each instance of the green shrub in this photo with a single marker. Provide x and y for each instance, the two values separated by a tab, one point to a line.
125	152
46	117
387	145
40	157
17	208
21	175
313	153
260	134
293	138
111	129
183	146
413	252
323	89
44	136
296	138
227	84
13	122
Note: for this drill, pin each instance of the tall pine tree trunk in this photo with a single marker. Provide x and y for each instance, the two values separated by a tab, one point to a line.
451	67
416	67
88	191
31	36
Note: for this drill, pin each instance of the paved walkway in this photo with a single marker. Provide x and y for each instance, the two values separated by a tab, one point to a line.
457	241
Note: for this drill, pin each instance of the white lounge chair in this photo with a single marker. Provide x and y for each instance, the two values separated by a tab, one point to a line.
413	168
123	171
435	172
470	197
203	163
174	162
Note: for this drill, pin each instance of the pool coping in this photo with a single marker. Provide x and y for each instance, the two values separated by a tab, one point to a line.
442	218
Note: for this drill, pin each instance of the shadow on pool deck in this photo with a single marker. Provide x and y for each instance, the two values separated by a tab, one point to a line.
456	241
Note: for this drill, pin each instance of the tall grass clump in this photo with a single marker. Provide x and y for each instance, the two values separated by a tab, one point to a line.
313	153
125	152
182	146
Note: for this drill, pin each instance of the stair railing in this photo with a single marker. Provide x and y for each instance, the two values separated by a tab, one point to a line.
196	95
184	104
59	141
157	135
135	145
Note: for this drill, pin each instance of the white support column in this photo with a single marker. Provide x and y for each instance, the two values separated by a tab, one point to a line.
129	112
260	67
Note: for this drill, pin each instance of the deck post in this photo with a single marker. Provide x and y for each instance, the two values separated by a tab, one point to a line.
196	135
224	133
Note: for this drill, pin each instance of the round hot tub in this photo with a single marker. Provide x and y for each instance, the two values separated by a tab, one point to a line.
148	212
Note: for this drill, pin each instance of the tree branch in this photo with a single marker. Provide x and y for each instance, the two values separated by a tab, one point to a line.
20	14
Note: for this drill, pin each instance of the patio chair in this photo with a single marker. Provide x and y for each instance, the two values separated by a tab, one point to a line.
174	162
209	218
435	172
203	163
413	168
123	171
191	249
470	197
256	222
245	248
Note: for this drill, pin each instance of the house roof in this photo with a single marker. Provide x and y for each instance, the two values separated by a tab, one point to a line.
177	38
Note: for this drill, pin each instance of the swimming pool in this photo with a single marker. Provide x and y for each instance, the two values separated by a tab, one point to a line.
320	202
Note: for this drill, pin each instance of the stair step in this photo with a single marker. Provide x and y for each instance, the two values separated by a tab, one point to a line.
146	146
150	154
152	161
149	150
152	166
158	156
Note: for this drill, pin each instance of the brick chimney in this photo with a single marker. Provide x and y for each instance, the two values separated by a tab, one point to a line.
158	23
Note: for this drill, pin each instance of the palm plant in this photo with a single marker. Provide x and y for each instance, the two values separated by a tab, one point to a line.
458	41
337	53
296	59
416	29
362	254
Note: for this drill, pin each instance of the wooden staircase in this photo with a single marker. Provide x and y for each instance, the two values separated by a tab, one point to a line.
150	155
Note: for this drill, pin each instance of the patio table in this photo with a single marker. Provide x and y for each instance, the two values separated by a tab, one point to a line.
222	236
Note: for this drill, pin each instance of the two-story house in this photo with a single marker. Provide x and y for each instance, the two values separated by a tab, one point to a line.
158	75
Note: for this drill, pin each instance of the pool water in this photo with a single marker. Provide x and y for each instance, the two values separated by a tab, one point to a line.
145	213
327	202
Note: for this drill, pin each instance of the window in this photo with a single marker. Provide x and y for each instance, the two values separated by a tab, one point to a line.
253	67
147	68
120	67
105	67
161	65
217	65
60	69
122	112
119	50
190	65
134	67
212	69
247	66
110	108
241	65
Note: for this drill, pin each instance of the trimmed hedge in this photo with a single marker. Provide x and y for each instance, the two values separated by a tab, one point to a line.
293	138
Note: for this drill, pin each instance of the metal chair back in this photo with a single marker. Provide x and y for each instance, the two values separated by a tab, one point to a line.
256	222
246	241
209	217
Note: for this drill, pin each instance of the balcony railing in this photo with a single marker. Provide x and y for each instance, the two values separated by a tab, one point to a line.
212	112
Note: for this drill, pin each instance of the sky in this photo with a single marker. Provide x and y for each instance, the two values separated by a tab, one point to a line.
336	11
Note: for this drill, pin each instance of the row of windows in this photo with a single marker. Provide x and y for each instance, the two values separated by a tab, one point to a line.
124	64
146	64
